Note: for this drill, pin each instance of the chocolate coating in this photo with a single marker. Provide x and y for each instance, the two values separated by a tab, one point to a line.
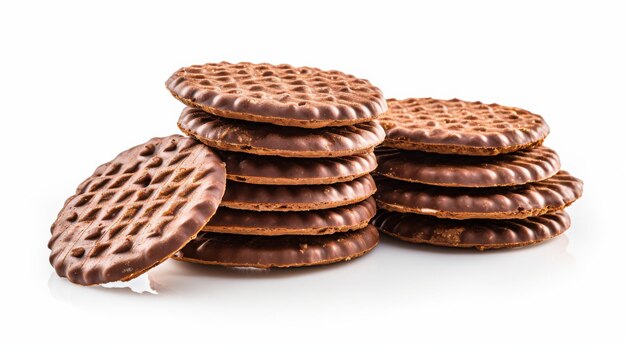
136	211
267	139
460	127
478	233
278	251
259	197
285	95
246	168
520	167
314	222
532	199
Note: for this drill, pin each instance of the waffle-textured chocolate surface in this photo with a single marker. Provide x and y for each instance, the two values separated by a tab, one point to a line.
247	168
532	199
285	95
267	139
460	127
278	251
260	197
520	167
314	222
478	233
136	211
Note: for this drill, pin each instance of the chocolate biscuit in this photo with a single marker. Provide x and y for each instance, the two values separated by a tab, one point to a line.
314	222
279	251
531	199
279	94
258	197
520	167
460	127
247	168
267	139
136	211
477	233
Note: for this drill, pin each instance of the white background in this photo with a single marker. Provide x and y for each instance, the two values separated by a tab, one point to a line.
82	81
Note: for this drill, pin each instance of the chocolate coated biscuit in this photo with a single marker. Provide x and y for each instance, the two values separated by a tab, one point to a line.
258	197
532	199
278	251
247	168
267	139
520	167
460	127
314	222
477	233
136	211
285	95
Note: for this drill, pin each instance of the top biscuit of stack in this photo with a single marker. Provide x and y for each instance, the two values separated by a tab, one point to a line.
461	127
303	97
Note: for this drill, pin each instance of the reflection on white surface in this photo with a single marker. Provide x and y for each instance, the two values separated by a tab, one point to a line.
64	289
398	288
141	284
405	266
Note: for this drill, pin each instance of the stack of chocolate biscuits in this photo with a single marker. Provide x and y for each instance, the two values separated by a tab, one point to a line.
298	147
283	182
468	174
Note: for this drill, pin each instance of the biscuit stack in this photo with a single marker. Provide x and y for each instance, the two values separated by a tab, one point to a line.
468	174
298	147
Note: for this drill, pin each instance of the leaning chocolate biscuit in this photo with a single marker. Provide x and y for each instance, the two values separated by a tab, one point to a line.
247	168
136	211
278	251
461	127
285	95
520	167
260	197
267	139
532	199
477	233
313	222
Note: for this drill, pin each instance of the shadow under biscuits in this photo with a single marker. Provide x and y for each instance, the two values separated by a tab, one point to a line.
64	290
